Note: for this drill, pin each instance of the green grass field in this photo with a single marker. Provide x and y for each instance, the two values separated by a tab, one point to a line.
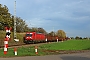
69	45
66	45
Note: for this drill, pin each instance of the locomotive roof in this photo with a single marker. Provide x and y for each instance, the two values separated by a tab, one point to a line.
35	32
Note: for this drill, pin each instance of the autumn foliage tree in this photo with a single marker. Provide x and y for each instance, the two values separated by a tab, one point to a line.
61	33
52	33
41	30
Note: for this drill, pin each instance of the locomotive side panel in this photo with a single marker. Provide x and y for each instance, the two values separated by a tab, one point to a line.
39	37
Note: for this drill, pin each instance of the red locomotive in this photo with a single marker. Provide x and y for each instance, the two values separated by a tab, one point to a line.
33	37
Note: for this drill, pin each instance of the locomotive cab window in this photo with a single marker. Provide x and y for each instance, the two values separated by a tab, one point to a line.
29	35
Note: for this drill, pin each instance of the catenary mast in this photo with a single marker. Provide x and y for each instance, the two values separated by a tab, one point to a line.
15	20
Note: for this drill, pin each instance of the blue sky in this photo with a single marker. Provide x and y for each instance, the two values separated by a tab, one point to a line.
72	16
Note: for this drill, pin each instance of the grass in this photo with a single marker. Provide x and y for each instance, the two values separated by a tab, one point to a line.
69	45
23	51
66	45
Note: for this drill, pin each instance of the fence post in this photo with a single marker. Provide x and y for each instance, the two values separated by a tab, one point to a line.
36	49
15	51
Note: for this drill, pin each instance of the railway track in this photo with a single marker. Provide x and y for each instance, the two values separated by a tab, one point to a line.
25	45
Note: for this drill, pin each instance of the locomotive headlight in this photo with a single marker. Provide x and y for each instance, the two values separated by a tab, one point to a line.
26	37
30	37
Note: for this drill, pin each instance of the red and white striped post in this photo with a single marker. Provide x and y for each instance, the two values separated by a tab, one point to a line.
15	51
7	37
6	45
36	49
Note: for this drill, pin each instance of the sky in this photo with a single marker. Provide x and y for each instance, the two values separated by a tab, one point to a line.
71	16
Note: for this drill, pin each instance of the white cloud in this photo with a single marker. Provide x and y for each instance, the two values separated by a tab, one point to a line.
37	22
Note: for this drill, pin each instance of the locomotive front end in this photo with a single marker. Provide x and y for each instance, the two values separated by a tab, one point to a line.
28	38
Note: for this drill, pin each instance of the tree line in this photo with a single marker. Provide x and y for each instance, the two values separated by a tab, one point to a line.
7	19
77	37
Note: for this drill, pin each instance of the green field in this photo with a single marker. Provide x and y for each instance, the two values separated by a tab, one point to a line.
66	45
69	45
